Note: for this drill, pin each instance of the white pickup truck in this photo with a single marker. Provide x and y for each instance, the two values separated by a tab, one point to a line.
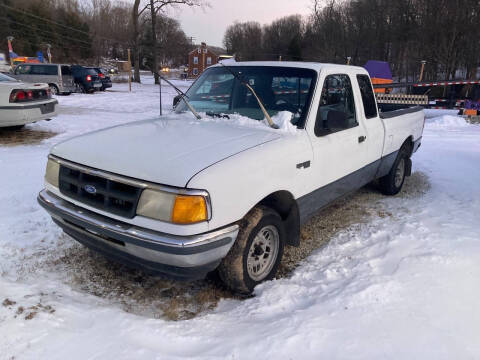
184	195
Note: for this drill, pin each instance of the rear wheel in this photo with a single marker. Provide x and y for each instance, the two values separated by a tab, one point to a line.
257	251
392	183
53	89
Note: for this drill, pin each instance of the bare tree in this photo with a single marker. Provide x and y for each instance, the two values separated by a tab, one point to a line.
155	7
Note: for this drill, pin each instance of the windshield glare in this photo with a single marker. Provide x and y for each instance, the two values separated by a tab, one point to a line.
280	89
4	77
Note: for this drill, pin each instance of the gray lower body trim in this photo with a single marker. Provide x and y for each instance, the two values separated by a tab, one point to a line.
386	164
311	203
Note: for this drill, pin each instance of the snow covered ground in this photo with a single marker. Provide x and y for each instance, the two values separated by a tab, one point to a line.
403	285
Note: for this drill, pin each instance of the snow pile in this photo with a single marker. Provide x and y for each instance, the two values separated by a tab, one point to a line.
446	122
282	119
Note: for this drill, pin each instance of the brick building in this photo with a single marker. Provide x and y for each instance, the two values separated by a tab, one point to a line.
199	59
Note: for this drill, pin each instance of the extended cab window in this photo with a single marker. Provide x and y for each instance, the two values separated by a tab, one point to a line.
336	111
368	98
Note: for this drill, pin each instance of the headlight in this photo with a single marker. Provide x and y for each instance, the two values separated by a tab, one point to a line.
51	175
171	207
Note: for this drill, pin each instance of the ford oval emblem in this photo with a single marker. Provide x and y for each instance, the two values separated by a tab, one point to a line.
90	189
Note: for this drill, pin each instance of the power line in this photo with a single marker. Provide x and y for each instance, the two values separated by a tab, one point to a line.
44	31
59	24
54	42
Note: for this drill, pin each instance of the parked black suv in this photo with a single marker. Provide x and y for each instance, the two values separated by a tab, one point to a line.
104	78
86	79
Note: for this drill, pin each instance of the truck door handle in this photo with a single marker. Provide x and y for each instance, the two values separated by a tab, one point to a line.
362	139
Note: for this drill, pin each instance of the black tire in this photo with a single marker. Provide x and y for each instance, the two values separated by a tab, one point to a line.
234	269
392	183
53	89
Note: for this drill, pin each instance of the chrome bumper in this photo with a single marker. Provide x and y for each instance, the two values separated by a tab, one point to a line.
186	257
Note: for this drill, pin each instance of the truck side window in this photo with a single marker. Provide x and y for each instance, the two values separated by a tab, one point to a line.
336	111
368	97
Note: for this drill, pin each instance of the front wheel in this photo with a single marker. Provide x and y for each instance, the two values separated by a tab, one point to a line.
257	251
392	183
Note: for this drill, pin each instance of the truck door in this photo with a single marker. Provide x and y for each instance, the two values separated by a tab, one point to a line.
339	145
374	130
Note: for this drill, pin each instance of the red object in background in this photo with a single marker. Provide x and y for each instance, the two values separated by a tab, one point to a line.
89	78
101	75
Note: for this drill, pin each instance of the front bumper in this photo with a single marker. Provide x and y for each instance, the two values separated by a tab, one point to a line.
180	257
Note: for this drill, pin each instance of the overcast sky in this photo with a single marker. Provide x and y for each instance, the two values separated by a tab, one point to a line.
209	25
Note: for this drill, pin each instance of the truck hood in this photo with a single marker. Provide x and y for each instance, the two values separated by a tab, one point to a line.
164	151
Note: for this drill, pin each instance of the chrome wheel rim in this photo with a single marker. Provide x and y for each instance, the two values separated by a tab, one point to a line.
53	90
263	253
400	173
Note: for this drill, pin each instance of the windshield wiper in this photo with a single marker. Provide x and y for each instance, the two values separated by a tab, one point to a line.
183	96
260	103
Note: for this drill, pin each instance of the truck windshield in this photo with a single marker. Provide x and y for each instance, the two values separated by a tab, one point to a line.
217	91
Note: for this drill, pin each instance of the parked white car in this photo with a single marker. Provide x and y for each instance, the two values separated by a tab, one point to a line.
185	196
22	103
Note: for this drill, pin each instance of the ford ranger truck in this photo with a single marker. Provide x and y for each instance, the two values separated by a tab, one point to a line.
185	195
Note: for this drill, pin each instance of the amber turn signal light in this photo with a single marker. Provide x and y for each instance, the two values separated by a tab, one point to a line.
189	209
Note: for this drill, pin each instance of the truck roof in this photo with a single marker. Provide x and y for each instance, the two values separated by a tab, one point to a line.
299	64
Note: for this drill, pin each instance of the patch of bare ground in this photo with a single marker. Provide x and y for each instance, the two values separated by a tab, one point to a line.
27	312
23	136
137	292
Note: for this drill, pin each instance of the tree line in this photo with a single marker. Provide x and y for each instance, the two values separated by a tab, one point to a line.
86	32
444	33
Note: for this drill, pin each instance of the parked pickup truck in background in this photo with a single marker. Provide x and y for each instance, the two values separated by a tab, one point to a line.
184	196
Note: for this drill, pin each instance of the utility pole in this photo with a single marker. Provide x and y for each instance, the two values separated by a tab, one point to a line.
49	53
129	71
160	86
421	71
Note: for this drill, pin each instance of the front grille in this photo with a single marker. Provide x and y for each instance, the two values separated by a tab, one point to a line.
98	192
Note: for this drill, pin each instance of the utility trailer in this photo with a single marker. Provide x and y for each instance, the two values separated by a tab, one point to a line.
462	95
